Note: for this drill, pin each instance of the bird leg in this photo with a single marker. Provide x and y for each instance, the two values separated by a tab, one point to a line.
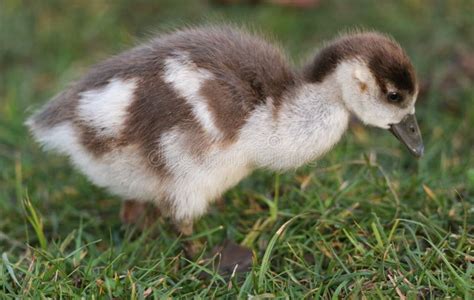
138	213
132	211
191	247
185	227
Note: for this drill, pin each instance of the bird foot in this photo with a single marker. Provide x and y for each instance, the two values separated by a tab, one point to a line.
229	259
232	258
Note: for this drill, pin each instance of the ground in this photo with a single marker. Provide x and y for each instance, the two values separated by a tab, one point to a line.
368	220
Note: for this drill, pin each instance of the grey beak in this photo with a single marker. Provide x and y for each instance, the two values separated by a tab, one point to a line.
408	133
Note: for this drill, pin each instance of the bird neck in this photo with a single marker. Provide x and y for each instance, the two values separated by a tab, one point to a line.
310	121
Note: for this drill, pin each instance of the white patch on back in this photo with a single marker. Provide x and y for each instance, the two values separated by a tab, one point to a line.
105	109
187	79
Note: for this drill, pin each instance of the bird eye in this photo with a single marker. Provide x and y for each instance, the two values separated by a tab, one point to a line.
394	97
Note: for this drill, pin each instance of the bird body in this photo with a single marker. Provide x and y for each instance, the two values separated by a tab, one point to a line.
181	119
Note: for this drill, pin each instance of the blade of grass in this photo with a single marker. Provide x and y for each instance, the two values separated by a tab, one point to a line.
10	270
265	265
36	222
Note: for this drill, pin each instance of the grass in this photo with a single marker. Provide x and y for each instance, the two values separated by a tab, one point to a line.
366	221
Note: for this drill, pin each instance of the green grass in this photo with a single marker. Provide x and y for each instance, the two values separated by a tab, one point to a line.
366	221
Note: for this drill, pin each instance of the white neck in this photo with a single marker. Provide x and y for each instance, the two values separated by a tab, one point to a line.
309	123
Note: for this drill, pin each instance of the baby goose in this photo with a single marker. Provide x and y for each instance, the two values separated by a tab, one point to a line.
181	119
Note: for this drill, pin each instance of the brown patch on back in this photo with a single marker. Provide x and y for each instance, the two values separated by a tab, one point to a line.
96	144
384	57
229	115
363	86
155	110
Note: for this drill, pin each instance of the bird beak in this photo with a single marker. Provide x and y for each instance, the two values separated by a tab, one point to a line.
408	133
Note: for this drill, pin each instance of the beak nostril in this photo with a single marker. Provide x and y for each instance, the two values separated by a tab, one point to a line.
408	133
